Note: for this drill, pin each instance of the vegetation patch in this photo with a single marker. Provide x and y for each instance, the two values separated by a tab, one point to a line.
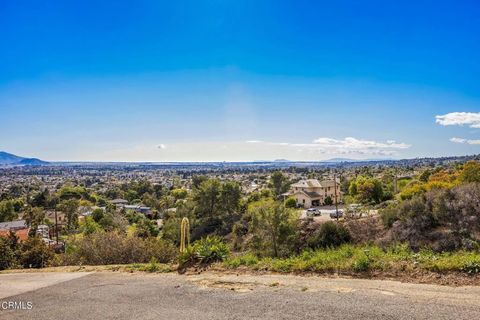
360	259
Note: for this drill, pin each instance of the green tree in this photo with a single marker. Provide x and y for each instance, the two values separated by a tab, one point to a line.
279	183
146	228
69	208
97	214
198	180
89	226
35	253
367	190
290	202
207	198
470	172
41	199
425	175
7	211
34	217
179	193
273	227
7	256
328	201
230	195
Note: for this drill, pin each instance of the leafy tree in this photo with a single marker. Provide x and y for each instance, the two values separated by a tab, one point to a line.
230	195
97	214
328	201
69	208
425	175
279	183
68	192
290	202
179	193
35	253
41	199
366	190
89	226
7	256
470	172
7	211
108	223
273	227
198	180
207	198
412	189
34	217
146	228
353	189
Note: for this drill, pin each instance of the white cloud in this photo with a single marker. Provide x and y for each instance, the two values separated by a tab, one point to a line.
467	141
253	141
471	119
458	140
162	146
346	146
350	143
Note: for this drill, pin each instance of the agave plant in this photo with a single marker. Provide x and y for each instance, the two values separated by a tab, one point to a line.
211	249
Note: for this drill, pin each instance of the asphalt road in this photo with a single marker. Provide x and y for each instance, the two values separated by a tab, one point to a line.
211	296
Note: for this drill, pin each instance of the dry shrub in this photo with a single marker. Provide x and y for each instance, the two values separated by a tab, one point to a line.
365	230
116	248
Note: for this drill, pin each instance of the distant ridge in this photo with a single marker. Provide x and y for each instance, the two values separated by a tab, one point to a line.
356	160
8	159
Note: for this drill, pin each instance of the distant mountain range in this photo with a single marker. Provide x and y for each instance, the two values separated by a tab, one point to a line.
13	160
356	160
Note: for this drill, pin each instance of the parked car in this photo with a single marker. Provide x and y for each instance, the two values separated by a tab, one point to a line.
333	215
313	212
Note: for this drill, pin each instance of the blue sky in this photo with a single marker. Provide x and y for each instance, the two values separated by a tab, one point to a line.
239	80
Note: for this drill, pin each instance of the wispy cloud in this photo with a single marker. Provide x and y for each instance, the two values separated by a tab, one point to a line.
471	119
348	145
466	141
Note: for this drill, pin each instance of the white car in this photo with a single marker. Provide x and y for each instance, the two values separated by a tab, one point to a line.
313	212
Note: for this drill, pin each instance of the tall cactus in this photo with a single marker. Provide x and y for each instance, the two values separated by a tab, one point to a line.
184	234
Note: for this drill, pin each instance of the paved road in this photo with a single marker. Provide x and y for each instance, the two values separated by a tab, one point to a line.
211	296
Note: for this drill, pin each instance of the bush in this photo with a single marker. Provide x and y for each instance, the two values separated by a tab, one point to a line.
329	235
290	202
116	248
362	264
97	214
328	201
35	253
247	259
389	216
89	226
471	267
7	256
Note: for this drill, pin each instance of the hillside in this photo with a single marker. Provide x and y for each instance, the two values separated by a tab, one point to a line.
11	159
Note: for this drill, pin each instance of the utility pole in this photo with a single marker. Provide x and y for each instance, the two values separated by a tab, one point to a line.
335	186
56	225
395	181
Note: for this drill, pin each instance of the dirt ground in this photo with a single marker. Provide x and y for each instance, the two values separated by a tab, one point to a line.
455	279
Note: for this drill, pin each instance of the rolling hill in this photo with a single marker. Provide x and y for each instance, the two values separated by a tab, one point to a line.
11	159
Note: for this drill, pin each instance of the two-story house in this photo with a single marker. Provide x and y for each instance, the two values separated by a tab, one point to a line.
312	193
